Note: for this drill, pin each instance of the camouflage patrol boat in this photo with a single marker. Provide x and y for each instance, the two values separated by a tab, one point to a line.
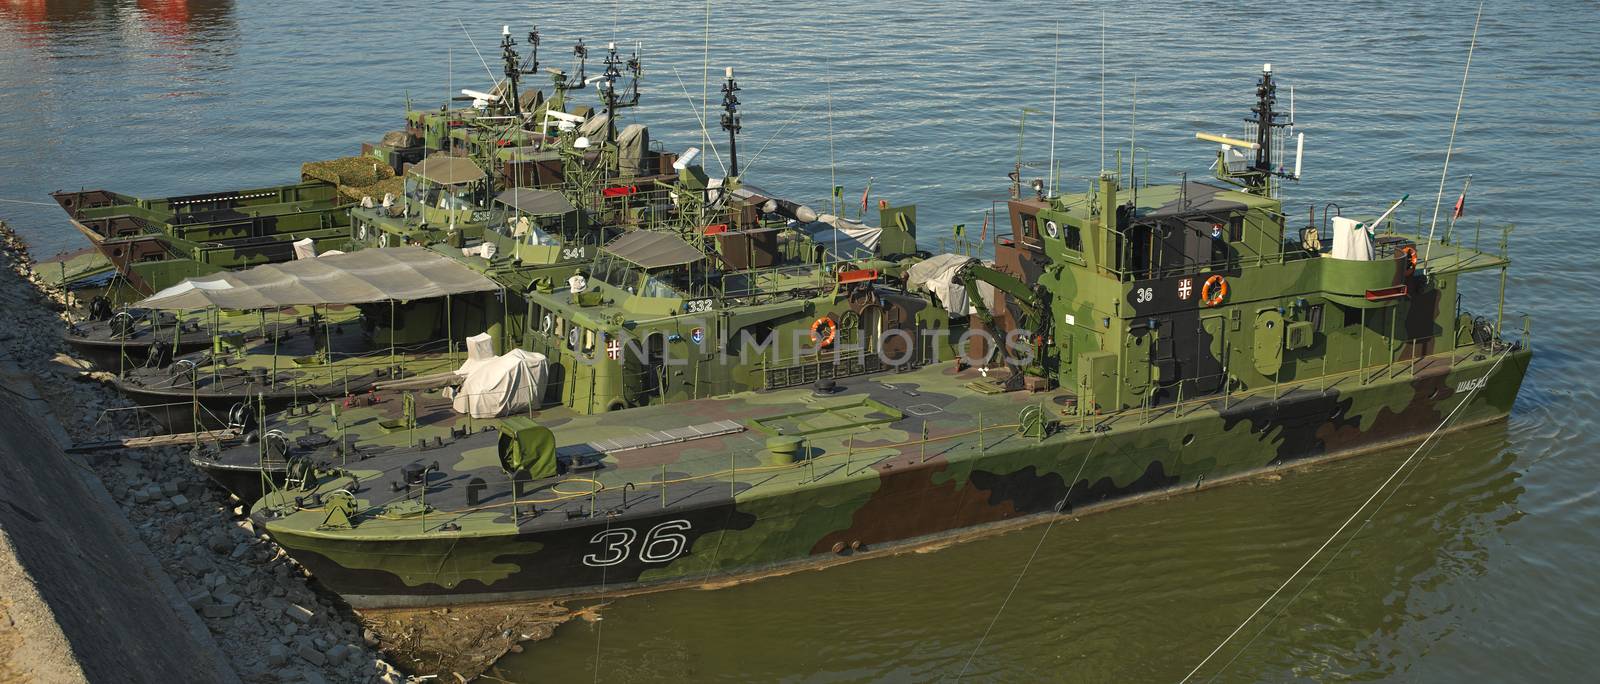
519	164
1140	340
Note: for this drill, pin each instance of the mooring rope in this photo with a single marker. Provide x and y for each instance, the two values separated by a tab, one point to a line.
1447	419
1059	506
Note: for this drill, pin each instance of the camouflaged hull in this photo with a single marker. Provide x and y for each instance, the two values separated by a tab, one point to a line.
877	483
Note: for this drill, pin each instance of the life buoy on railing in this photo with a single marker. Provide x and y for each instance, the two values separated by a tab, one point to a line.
361	233
383	240
823	330
1214	290
548	324
1409	255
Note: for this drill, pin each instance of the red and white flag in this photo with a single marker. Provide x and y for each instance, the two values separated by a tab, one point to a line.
1461	201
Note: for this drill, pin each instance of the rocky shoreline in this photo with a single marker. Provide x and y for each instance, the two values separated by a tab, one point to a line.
262	609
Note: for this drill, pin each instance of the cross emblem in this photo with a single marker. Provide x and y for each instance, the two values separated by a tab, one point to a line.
1185	288
614	350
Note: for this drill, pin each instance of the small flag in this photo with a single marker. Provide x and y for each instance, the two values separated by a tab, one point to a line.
1461	206
983	235
961	230
864	193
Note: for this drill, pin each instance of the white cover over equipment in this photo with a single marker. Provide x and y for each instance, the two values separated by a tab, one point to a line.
502	385
480	350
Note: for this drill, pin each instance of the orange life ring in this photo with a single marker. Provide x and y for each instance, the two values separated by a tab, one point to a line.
1214	298
1409	253
822	338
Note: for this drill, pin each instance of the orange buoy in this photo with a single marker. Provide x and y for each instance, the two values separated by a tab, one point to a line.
823	330
1409	255
1214	290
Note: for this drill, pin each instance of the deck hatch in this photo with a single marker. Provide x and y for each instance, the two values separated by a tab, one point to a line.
862	413
661	437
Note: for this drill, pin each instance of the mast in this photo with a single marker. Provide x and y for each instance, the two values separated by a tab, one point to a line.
1264	117
611	76
533	50
513	68
730	120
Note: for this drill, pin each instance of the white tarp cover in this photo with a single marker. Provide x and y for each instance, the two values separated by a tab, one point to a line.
853	239
502	385
305	248
1351	240
369	275
937	275
480	350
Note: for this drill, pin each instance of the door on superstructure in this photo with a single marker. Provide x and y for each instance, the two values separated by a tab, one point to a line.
1211	355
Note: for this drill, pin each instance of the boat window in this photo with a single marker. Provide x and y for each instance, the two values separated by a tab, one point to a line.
668	283
456	197
615	272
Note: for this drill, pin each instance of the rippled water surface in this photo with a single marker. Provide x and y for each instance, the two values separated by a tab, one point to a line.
1480	567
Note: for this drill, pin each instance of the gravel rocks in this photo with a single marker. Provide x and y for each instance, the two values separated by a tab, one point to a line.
229	573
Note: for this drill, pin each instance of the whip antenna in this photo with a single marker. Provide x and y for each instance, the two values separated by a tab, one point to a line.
1055	79
1460	99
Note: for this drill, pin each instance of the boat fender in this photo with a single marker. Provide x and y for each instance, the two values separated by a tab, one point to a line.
1214	290
823	330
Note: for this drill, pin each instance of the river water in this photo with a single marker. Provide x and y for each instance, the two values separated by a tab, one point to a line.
1480	566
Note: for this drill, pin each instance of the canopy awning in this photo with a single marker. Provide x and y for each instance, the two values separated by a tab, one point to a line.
652	249
536	202
843	239
370	275
447	170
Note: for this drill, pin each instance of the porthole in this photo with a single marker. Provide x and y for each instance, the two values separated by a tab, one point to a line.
1188	439
1051	229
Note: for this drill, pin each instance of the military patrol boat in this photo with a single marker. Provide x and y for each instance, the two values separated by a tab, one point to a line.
1139	340
378	315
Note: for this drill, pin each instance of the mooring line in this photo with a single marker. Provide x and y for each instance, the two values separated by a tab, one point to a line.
1059	506
1447	419
1313	579
17	201
599	622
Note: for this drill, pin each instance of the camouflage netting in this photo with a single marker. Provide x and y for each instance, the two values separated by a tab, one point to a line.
356	177
397	139
394	184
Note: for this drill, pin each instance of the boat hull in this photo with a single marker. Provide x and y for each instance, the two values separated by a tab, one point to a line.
912	499
114	355
246	483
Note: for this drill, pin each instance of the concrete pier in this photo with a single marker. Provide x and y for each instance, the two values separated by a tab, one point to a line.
84	598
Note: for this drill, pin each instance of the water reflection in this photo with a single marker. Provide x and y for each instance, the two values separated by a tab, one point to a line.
39	22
